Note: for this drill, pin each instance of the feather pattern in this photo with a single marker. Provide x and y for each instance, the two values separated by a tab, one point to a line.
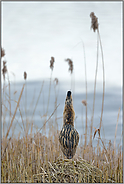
68	136
68	139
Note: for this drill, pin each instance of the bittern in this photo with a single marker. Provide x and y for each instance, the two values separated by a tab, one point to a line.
68	136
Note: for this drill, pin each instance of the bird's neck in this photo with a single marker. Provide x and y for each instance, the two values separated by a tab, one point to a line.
68	116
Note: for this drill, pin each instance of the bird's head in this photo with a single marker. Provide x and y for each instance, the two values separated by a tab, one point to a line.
68	113
68	100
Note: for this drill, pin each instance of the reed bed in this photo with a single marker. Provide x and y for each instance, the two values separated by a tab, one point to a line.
37	158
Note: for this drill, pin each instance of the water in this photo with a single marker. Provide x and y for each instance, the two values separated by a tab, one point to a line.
112	103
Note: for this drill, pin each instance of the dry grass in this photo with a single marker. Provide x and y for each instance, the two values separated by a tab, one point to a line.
39	159
15	112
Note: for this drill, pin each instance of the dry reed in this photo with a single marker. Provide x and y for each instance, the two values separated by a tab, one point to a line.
70	63
86	93
4	70
94	91
15	112
25	75
2	52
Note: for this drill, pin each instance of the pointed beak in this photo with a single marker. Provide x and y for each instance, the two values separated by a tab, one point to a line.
68	93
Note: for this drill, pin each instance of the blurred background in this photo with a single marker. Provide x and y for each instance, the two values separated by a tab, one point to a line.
33	32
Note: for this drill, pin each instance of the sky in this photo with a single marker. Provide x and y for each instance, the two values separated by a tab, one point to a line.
32	32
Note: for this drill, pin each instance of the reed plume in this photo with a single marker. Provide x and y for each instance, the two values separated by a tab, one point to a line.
70	63
94	21
4	70
2	52
52	63
25	75
84	102
56	81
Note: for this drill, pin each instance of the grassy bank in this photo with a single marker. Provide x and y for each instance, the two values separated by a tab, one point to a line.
37	158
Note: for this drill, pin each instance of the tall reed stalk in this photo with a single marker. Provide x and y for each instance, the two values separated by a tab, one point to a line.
86	95
103	78
95	26
15	112
94	91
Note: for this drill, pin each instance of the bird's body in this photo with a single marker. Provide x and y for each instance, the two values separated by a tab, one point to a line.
68	136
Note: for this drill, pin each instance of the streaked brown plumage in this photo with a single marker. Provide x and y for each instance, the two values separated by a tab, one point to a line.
68	136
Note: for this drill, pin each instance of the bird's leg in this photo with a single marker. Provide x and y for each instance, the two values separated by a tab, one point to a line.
73	161
63	157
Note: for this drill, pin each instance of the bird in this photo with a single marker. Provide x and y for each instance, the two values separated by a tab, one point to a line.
68	137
